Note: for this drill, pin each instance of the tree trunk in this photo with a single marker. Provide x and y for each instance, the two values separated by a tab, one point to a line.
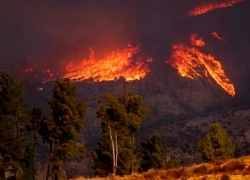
116	150
17	132
17	128
16	122
34	151
48	168
56	177
113	151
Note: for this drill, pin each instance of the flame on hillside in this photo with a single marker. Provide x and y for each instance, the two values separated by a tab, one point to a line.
212	6
193	64
119	63
196	41
217	36
37	72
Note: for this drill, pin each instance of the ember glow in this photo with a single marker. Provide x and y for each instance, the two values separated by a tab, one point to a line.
212	6
196	41
217	36
39	88
193	64
119	63
37	72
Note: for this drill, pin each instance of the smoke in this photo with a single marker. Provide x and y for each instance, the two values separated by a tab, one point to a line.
51	31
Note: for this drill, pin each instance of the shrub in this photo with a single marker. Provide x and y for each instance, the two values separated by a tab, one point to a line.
176	173
233	165
225	177
246	171
201	169
217	144
218	162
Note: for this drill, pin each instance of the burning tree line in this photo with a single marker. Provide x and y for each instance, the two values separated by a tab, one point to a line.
121	118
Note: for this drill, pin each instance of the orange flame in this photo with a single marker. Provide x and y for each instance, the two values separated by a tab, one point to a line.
212	6
193	64
36	71
112	66
196	41
217	36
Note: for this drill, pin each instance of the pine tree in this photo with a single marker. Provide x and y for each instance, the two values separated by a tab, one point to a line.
27	161
216	145
33	126
121	117
44	131
62	127
154	154
13	119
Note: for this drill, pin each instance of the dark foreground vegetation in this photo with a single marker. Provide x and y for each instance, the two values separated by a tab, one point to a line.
23	128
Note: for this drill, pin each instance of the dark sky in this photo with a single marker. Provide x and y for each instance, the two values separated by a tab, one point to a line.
49	31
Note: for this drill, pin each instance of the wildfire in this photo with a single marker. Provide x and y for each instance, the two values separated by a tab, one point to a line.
119	63
217	36
196	41
28	69
37	72
193	64
212	6
39	88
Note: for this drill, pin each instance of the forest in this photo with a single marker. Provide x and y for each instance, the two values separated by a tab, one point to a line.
24	128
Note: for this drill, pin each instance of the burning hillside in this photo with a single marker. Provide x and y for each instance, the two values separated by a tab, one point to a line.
212	6
193	64
127	63
36	72
196	41
124	63
119	63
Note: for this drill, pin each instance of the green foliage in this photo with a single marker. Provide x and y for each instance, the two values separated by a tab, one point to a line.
154	154
34	124
67	112
13	119
43	130
63	126
121	117
36	115
27	161
216	145
103	153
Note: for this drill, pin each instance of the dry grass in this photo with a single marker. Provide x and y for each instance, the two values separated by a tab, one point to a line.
232	169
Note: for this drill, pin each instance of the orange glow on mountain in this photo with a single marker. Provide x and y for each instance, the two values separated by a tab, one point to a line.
193	64
212	6
37	72
217	36
196	41
119	63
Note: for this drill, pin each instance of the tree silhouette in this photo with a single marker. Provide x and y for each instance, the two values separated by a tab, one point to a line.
154	154
120	118
34	124
216	145
62	127
13	119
